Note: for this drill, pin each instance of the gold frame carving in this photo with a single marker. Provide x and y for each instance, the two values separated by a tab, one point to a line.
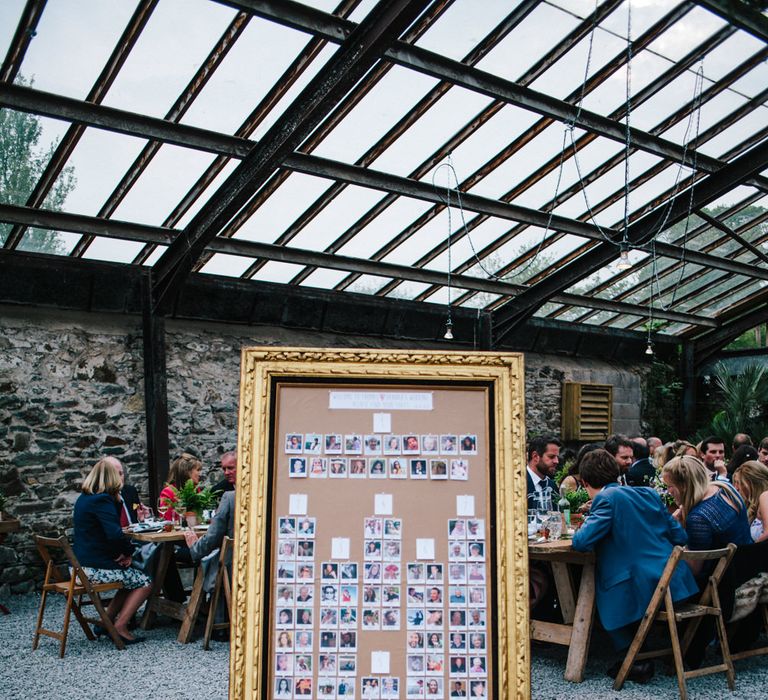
260	366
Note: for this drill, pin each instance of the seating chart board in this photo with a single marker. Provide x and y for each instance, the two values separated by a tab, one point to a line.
381	527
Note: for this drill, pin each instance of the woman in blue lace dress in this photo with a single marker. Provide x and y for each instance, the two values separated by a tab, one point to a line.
712	512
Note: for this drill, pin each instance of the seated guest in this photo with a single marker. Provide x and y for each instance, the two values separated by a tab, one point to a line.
130	504
102	549
740	439
182	469
641	472
745	453
621	448
543	454
712	455
762	451
712	512
229	467
632	534
572	481
222	524
751	481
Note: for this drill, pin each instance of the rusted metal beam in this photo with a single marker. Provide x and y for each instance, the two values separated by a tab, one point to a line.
25	32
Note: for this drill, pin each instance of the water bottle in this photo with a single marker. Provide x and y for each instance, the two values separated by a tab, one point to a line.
564	506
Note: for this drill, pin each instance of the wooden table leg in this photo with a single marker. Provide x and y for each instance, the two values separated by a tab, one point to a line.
582	626
565	594
164	559
193	608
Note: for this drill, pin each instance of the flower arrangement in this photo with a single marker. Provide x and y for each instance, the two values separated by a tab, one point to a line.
661	488
188	499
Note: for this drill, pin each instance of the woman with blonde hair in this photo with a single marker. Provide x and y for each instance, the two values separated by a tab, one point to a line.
182	469
103	550
751	481
712	512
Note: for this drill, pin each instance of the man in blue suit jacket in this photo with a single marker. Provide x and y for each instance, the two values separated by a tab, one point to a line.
633	535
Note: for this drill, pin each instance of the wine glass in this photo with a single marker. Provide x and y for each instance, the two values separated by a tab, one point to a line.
162	507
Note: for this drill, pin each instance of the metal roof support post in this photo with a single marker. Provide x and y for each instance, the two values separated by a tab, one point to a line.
155	392
688	399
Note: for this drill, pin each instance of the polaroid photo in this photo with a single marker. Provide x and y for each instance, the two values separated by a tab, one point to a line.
398	469
414	688
434	573
418	469
457	529
373	527
358	468
415	595
478	665
372	572
302	686
390	619
477	642
415	618
457	620
283	663
371	619
302	664
286	550
457	550
393	528
372	550
313	444
434	688
477	618
457	572
438	469
476	572
286	527
430	444
369	688
305	549
347	665
476	596
333	444
348	571
434	619
416	572
410	444
329	571
457	666
415	642
478	689
435	642
459	470
476	529
304	640
435	595
414	663
304	617
468	444
391	572
284	595
329	640
284	618
372	445
348	594
377	468
297	467
286	571
306	526
390	688
390	595
348	618
348	640
305	572
346	689
329	594
318	468
329	618
372	595
326	688
457	595
475	551
449	445
283	688
391	550
337	468
392	445
435	663
353	444
457	642
305	594
293	443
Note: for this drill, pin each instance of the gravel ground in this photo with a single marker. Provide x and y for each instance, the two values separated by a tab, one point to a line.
162	668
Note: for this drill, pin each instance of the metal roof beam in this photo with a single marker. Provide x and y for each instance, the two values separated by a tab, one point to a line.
22	37
740	15
110	228
708	189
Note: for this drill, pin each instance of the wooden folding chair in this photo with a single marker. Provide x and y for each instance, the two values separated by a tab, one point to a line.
73	588
707	605
222	582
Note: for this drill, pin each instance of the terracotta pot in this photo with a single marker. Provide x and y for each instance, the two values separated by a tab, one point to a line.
191	519
577	520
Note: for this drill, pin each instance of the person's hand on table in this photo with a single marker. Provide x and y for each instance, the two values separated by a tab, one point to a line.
143	512
190	537
124	560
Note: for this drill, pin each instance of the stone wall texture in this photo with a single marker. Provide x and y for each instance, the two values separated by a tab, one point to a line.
72	390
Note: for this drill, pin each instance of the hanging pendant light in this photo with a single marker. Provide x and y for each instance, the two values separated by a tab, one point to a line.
448	335
624	263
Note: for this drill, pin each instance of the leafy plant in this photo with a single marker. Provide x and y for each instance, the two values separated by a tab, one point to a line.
577	498
188	499
661	401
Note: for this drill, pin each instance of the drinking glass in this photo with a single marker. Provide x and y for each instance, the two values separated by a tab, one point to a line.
555	524
533	525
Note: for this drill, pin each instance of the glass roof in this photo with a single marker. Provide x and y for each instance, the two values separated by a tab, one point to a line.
492	100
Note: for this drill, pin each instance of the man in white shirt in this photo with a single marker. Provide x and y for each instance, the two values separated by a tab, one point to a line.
543	453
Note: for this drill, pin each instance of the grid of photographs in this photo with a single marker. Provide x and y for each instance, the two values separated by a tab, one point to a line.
359	456
382	574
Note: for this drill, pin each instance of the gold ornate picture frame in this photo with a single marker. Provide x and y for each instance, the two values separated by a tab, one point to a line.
485	387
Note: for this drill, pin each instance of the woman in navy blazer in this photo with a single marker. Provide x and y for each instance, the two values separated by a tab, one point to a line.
633	535
101	547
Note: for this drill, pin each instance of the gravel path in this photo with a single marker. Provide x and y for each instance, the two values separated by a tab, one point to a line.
162	668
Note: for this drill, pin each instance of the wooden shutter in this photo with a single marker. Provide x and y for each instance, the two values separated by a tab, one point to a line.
587	411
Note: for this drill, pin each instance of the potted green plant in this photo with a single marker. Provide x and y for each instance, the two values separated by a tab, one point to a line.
189	502
576	499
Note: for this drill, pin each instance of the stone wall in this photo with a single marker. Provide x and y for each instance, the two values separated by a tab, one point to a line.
71	390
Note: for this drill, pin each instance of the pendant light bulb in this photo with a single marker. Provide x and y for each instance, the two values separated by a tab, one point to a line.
624	262
649	349
448	330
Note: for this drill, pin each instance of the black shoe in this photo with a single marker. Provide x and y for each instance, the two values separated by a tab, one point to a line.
128	642
99	631
640	671
220	635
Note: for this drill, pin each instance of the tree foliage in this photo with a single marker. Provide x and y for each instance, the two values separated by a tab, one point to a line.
22	162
